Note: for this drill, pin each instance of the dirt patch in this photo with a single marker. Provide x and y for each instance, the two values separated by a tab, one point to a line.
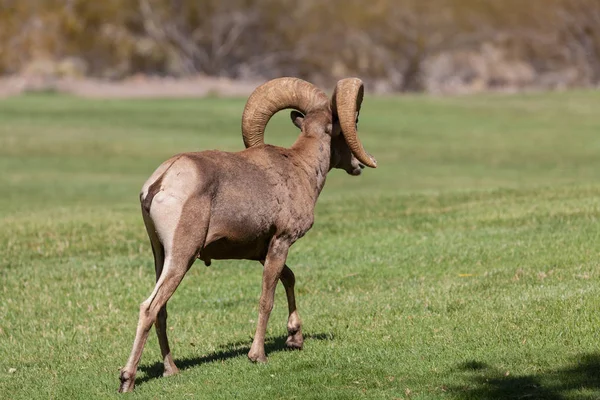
134	87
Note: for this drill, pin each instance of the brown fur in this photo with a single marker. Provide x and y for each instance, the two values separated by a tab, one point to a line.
253	204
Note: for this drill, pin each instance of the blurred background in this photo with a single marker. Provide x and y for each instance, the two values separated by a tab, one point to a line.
436	46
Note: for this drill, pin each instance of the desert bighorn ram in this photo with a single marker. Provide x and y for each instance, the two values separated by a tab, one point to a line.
251	205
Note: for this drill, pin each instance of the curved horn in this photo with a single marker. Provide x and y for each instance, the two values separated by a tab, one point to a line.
346	100
274	96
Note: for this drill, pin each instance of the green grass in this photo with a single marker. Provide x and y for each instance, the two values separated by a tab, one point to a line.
465	267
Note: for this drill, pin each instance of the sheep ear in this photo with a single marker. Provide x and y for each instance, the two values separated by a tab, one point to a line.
297	119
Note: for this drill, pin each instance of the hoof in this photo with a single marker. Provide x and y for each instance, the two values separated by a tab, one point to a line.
127	382
257	358
294	341
170	371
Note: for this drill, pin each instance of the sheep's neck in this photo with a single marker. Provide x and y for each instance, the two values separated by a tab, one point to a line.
315	154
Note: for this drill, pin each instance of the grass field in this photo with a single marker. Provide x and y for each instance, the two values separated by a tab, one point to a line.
464	267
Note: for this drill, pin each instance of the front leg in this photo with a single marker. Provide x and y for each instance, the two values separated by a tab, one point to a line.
294	325
273	266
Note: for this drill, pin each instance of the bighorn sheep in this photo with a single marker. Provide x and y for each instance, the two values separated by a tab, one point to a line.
253	204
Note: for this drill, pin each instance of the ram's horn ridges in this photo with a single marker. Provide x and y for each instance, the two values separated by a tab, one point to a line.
346	100
273	96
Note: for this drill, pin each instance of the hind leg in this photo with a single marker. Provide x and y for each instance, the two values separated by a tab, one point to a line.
173	272
181	239
161	320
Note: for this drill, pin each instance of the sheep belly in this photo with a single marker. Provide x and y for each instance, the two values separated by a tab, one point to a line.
225	248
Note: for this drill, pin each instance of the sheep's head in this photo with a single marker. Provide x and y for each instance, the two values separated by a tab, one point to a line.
315	114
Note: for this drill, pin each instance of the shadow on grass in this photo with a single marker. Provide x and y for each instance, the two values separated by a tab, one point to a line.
580	380
232	350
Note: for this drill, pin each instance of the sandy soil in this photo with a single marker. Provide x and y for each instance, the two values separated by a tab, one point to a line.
134	87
